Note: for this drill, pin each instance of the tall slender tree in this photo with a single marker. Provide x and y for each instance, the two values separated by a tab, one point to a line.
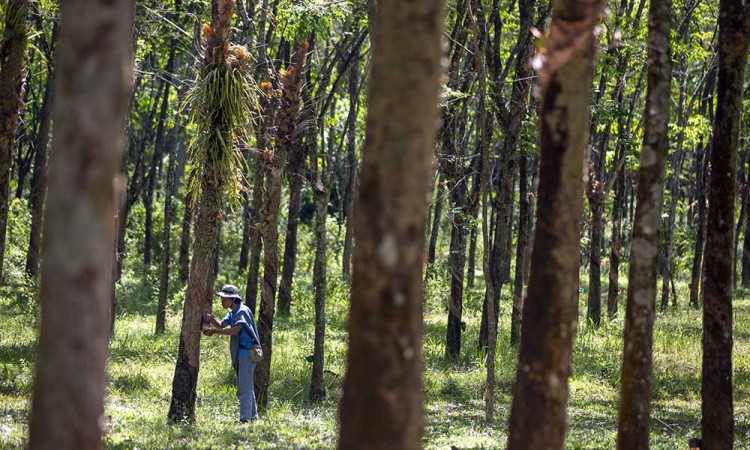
565	70
635	398
89	117
718	412
382	398
12	76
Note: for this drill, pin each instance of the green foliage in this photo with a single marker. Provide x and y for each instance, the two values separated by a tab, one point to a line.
222	101
298	18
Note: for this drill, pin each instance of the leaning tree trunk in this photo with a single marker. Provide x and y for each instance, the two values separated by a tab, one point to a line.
718	416
635	398
185	381
287	125
538	417
89	117
382	402
11	90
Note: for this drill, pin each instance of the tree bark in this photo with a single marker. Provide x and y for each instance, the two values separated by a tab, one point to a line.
718	416
287	125
185	381
352	163
382	403
166	231
635	398
39	178
538	418
89	117
11	91
322	194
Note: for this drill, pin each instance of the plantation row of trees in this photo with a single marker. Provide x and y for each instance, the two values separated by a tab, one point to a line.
180	121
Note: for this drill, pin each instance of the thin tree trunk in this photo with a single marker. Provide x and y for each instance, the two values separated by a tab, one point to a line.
187	224
387	290
635	398
716	389
322	194
166	232
521	245
287	125
295	169
700	234
39	178
436	220
11	91
538	417
352	163
89	118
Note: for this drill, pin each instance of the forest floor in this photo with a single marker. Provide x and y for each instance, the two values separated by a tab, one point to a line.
141	367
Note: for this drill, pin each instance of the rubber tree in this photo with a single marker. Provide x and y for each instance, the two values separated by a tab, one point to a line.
12	76
221	100
635	398
382	395
565	71
79	235
717	422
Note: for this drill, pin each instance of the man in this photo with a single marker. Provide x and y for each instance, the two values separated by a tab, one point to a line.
240	325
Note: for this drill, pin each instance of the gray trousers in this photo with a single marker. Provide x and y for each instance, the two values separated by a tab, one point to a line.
246	388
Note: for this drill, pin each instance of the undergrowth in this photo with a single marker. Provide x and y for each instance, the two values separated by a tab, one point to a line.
141	366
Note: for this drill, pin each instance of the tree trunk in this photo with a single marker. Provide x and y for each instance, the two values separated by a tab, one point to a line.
89	117
352	163
635	398
538	418
187	224
718	416
11	90
521	244
287	125
382	402
39	178
185	381
700	235
295	170
322	194
436	220
166	231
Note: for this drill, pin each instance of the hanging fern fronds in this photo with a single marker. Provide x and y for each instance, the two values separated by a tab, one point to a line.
222	101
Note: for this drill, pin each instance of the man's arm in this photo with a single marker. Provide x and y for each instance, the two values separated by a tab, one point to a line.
226	331
215	322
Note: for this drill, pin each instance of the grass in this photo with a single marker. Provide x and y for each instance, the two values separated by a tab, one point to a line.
141	366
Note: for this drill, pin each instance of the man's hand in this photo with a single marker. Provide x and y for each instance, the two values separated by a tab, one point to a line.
209	332
208	318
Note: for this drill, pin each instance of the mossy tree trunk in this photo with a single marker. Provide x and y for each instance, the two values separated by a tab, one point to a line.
89	117
540	395
382	402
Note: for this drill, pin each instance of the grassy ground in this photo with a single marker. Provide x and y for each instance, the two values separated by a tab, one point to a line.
141	368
